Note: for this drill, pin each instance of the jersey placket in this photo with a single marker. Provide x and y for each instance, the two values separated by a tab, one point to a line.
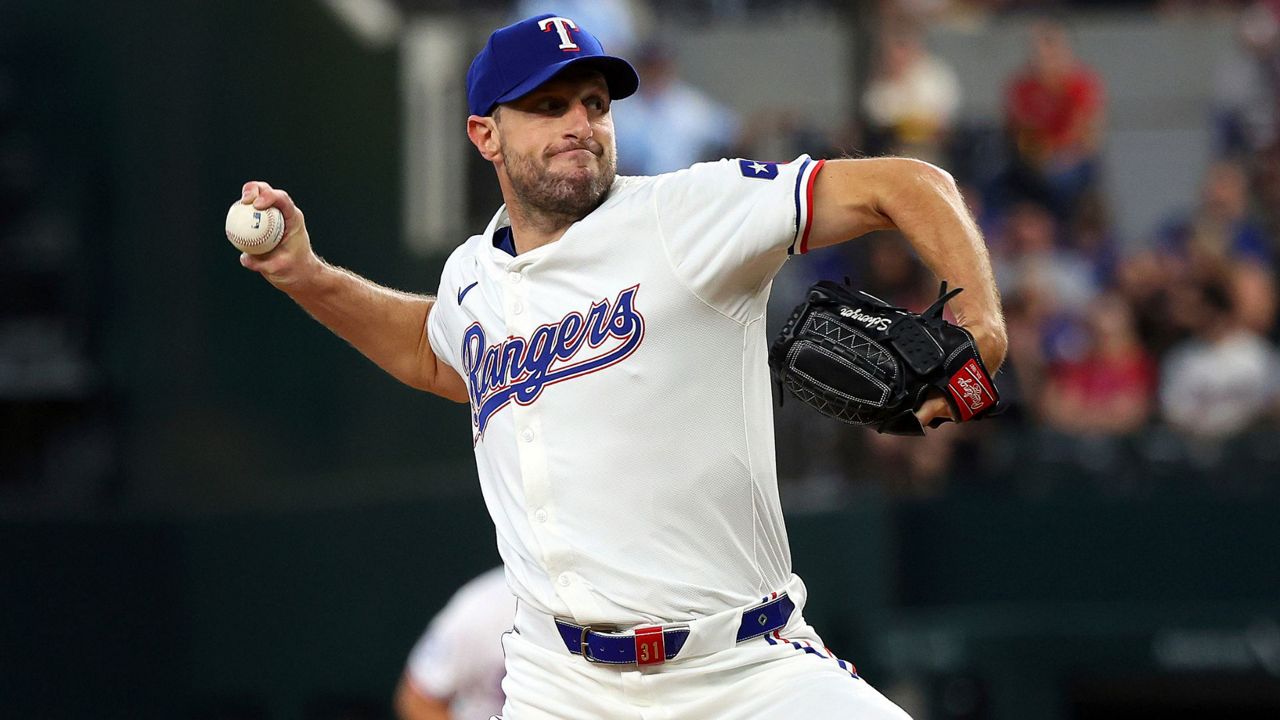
531	451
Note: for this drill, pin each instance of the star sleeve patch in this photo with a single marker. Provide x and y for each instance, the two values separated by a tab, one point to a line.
757	169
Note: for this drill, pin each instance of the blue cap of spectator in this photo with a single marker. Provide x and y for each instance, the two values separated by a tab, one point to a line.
520	57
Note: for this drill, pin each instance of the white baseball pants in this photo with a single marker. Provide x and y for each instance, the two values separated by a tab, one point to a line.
790	675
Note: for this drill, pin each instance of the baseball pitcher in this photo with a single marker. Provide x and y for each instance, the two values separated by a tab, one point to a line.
608	335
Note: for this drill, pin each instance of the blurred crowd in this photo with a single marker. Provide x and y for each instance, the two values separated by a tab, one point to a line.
1129	357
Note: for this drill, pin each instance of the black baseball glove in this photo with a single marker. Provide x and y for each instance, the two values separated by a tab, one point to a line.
858	359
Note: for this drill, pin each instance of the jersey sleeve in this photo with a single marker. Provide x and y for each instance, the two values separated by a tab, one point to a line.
728	226
439	664
443	317
460	653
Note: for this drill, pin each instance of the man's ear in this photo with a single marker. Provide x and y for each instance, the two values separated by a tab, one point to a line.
483	132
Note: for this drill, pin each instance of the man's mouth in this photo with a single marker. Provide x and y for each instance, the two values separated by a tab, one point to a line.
575	152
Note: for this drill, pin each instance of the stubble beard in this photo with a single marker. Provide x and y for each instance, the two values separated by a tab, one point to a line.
561	195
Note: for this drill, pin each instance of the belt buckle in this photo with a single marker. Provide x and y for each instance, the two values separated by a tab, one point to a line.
584	648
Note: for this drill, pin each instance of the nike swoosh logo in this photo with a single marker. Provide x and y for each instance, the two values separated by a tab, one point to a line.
463	292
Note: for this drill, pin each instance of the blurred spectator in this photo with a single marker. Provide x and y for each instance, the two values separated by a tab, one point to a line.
1144	282
1053	109
1218	241
1221	238
1110	389
1090	235
911	100
1048	287
1026	252
613	22
1220	229
1223	380
669	125
455	670
1246	85
1022	378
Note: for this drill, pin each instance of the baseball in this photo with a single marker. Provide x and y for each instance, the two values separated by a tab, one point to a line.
252	230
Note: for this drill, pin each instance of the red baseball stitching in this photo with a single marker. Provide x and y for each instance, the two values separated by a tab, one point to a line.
269	235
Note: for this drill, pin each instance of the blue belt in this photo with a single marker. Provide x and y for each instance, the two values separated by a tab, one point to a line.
659	643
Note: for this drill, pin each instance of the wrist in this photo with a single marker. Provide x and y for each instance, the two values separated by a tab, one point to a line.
306	278
992	342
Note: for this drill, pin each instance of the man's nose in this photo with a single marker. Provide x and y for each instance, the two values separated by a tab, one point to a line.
578	120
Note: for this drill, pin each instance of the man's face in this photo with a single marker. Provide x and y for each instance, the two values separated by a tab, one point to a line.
557	145
1051	50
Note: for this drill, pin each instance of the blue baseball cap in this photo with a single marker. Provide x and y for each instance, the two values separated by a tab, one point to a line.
520	57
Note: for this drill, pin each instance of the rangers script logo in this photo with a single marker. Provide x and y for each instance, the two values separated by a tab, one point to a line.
520	368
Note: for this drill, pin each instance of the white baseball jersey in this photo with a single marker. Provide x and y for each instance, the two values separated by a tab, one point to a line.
620	395
459	658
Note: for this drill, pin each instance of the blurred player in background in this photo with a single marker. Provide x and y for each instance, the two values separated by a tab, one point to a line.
670	124
455	670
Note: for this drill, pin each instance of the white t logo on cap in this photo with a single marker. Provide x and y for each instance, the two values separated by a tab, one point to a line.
562	26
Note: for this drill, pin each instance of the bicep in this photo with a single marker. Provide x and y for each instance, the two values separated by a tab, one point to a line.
849	198
437	375
448	383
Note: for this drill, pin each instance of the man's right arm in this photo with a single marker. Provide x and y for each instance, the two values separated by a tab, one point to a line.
388	326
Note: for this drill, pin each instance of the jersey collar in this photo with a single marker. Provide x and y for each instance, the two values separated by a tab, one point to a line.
500	220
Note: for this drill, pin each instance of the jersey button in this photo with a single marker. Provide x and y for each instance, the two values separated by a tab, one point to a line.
515	277
540	515
526	435
564	580
517	308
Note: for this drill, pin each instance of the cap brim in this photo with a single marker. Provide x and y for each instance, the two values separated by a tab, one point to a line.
618	74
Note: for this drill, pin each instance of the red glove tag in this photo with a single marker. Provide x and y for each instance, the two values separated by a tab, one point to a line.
971	389
651	646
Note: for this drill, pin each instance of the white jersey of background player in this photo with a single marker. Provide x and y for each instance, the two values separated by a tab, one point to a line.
608	334
455	669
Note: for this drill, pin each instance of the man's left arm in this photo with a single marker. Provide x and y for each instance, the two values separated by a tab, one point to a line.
854	197
412	703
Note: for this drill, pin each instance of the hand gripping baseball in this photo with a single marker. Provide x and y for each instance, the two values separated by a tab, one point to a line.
292	261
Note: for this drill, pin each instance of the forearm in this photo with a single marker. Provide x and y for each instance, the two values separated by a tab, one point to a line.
925	205
387	326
